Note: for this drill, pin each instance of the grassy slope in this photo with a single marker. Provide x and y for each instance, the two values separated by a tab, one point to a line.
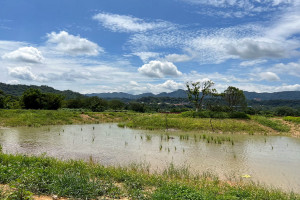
76	179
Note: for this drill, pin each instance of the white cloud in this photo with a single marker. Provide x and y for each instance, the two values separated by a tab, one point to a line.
240	8
145	56
8	46
295	87
14	82
254	49
291	68
252	63
73	45
159	69
24	73
25	54
124	23
269	76
167	86
133	83
171	85
287	25
177	58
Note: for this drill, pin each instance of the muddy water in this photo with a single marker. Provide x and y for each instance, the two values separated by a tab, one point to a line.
272	160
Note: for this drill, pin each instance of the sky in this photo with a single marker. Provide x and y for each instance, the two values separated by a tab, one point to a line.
138	46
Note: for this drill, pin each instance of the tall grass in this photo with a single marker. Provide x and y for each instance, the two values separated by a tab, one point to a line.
292	119
157	121
79	180
37	117
273	124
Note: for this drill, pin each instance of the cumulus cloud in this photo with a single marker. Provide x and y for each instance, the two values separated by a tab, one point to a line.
24	73
125	23
25	54
73	45
269	76
171	85
159	69
177	58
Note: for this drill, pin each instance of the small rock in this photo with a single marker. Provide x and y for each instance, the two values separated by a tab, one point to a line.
54	197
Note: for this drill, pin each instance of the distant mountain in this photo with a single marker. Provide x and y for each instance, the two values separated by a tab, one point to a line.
113	95
121	95
288	95
18	90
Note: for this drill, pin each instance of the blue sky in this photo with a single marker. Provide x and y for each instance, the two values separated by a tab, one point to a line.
139	46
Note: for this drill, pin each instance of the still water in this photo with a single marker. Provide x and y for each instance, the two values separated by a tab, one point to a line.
270	160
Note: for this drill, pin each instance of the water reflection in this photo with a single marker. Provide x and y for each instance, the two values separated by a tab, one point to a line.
271	160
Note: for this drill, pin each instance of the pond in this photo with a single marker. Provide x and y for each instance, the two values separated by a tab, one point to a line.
270	160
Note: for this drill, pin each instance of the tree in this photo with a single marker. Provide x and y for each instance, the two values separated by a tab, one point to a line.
96	104
198	90
116	104
32	99
35	99
2	99
234	97
52	101
137	107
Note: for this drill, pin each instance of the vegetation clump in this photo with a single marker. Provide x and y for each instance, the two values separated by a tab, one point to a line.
79	180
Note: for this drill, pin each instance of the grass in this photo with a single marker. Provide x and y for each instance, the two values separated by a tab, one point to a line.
157	121
80	180
36	118
292	119
273	124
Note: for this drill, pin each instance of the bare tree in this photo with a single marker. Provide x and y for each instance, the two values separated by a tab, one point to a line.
198	90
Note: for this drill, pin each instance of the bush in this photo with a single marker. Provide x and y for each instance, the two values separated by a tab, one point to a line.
239	115
285	111
218	115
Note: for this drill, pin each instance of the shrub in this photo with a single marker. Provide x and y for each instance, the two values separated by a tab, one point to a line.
239	115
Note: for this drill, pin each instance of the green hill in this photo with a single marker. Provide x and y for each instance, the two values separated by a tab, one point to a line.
17	90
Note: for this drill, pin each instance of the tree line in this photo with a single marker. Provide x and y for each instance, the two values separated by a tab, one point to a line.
200	96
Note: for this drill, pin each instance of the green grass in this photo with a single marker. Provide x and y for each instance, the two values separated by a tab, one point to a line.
80	180
36	118
273	124
292	119
158	121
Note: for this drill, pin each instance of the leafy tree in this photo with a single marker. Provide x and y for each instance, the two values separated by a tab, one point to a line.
137	107
116	104
75	103
32	99
234	97
285	111
52	101
96	104
35	99
2	99
198	90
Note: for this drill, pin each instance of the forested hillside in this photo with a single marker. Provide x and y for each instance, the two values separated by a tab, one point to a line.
18	90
